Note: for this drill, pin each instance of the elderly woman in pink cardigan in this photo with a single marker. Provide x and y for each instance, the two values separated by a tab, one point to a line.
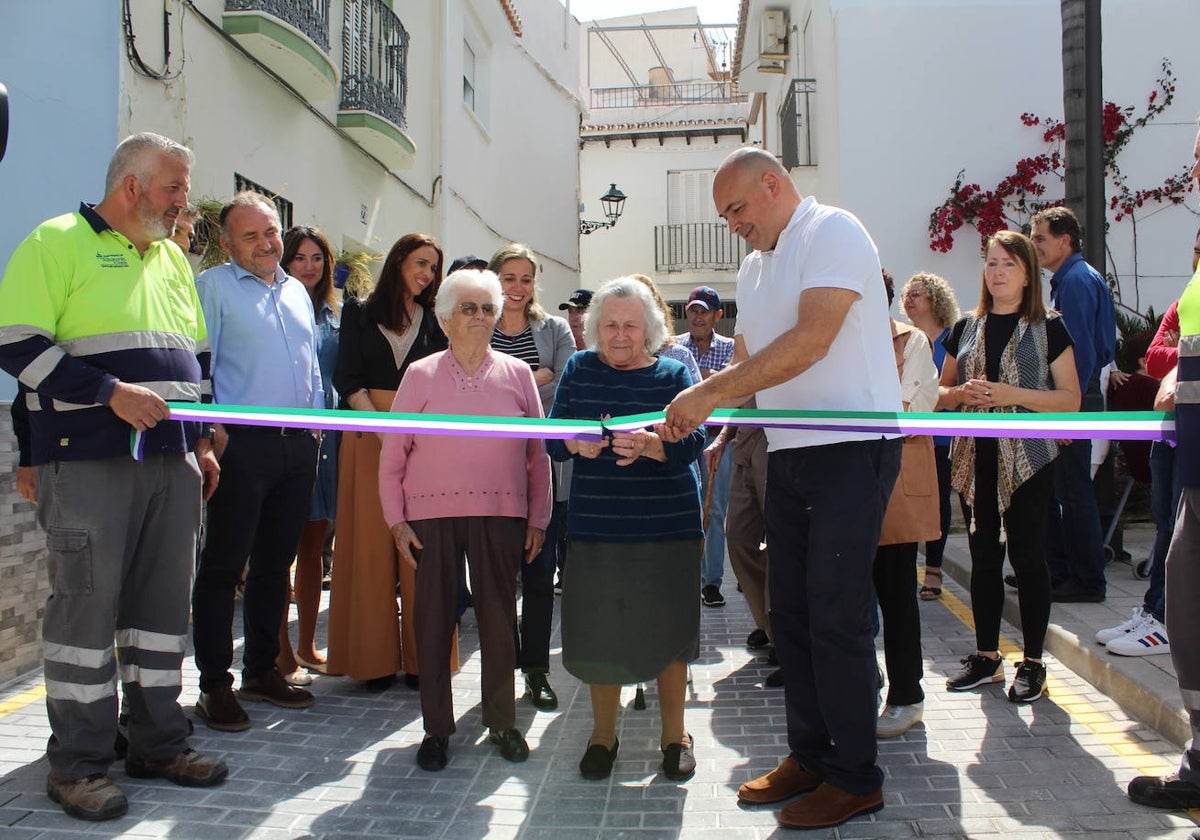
483	499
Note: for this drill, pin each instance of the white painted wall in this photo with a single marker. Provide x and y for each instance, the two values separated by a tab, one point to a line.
641	173
63	114
910	91
513	177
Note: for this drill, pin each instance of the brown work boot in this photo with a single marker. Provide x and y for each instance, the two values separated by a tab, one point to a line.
784	782
272	688
220	709
188	768
93	797
828	806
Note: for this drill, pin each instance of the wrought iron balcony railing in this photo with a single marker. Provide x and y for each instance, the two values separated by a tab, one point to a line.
796	124
676	93
374	61
697	246
309	16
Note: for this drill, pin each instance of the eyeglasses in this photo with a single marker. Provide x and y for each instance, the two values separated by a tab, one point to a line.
470	307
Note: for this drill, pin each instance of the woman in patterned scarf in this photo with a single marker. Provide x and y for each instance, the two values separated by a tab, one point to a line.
1010	355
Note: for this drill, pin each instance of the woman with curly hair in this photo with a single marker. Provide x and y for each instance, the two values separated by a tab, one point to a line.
931	307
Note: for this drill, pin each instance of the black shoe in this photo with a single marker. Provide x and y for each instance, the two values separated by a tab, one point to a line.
774	679
712	597
757	640
1029	684
540	693
1072	593
1011	580
772	659
976	670
432	755
1165	792
377	685
511	743
679	762
597	762
413	681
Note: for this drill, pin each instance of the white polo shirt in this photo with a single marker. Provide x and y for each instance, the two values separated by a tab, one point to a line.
821	247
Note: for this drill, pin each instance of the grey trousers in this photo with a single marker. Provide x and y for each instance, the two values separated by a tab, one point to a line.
1183	621
122	537
746	528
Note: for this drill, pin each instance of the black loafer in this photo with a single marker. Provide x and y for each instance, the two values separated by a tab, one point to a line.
511	743
540	693
597	762
432	755
757	640
679	762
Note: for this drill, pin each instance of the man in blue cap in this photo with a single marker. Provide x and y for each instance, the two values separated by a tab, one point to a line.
713	352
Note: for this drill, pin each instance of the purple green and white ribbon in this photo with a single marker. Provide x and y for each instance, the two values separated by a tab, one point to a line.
1108	425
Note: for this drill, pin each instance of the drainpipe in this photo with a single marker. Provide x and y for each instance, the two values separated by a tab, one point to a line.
443	203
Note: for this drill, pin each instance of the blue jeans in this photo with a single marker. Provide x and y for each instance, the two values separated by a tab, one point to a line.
713	569
1075	545
1165	488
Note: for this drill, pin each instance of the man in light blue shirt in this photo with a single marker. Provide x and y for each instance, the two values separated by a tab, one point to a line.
262	351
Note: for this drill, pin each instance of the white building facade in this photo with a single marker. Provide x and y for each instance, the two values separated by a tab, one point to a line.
875	105
368	118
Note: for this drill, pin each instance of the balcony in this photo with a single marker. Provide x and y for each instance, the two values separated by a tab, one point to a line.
375	82
675	93
697	246
291	37
796	124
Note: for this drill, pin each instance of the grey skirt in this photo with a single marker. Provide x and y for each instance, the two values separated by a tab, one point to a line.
630	609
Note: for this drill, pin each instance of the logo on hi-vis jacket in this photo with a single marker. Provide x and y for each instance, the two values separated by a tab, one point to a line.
112	260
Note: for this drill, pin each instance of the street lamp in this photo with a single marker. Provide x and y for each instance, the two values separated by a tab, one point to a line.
614	205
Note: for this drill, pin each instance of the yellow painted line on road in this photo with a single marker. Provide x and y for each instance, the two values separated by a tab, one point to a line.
1114	734
25	698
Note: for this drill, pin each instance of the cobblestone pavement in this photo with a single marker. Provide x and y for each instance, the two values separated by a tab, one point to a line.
977	767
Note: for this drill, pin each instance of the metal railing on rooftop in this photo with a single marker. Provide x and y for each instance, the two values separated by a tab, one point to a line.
374	60
676	93
796	124
309	16
697	246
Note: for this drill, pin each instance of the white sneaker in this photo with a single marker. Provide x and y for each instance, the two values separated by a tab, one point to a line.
896	720
1103	637
1150	638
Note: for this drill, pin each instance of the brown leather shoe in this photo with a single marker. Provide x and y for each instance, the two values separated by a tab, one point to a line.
272	688
188	768
784	782
93	798
220	710
828	806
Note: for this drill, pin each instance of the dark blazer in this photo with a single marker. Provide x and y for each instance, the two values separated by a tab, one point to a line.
365	358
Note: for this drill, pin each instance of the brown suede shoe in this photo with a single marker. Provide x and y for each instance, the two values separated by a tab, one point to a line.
784	782
220	710
828	806
272	688
91	798
188	768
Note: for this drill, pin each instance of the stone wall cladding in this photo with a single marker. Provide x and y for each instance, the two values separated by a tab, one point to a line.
24	583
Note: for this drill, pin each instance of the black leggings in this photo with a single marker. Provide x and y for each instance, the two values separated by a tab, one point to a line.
1025	529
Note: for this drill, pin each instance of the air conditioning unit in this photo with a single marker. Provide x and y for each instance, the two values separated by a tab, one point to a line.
773	35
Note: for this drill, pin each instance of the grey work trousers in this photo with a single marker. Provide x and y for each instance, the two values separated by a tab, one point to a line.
1183	620
122	538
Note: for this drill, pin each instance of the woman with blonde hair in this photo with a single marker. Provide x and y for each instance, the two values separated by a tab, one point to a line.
543	341
931	307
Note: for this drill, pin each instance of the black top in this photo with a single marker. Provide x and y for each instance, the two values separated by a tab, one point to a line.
365	358
1000	330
